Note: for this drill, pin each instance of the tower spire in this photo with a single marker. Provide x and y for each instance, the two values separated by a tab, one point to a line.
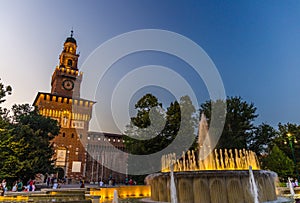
72	32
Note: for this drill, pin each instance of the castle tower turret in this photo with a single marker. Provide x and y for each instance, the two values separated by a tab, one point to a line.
66	78
72	112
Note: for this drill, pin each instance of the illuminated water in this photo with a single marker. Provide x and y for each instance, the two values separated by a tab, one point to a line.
116	197
173	187
253	186
208	159
291	187
213	176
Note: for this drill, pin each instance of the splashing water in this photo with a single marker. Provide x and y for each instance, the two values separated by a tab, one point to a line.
173	186
253	186
209	159
212	175
291	188
115	199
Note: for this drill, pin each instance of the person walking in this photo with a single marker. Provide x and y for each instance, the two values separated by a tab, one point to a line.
296	183
15	186
1	191
20	186
31	185
3	184
81	183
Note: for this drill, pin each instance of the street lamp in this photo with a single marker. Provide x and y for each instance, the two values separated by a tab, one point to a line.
290	138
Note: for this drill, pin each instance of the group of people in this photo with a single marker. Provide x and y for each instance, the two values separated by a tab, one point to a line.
294	183
112	182
130	181
55	183
17	186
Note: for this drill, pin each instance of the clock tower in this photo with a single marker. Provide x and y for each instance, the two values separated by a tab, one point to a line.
65	79
73	113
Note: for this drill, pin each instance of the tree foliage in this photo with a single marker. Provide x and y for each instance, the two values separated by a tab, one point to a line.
287	140
261	139
279	162
152	130
143	136
25	139
4	91
271	145
238	123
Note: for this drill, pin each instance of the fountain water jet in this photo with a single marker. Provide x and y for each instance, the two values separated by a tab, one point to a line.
253	186
291	188
173	187
208	159
116	197
213	176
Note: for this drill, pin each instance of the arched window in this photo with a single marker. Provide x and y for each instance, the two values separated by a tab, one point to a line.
64	134
70	62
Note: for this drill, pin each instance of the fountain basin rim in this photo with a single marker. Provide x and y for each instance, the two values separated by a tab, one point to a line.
212	173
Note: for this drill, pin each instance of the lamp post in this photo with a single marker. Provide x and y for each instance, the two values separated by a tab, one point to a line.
290	138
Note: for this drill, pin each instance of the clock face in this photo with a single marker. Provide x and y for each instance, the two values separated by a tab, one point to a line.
68	84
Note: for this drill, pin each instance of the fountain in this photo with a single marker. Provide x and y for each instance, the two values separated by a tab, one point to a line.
173	187
291	187
253	186
116	197
213	176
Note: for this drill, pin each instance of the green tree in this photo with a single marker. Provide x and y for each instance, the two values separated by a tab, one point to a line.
288	141
261	139
238	123
24	141
143	107
33	133
278	162
4	91
143	136
163	128
182	121
173	118
151	130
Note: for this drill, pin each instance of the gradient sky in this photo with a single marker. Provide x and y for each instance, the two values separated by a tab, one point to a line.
254	44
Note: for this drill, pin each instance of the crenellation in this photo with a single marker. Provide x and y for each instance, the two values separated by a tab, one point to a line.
73	114
65	105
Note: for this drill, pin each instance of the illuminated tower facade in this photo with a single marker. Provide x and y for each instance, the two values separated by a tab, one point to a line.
73	113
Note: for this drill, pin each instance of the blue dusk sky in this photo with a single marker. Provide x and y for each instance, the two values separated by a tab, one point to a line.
255	46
